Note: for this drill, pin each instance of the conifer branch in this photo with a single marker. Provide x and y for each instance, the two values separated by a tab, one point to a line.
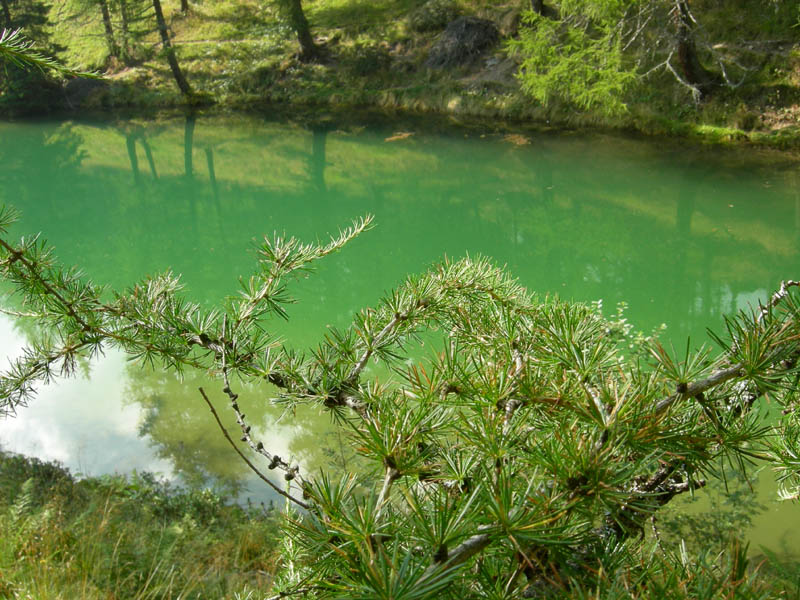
463	552
16	313
275	461
18	255
390	476
777	297
696	388
252	467
372	344
600	444
18	50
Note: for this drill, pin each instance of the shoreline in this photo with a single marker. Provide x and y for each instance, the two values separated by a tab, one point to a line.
786	140
240	57
117	98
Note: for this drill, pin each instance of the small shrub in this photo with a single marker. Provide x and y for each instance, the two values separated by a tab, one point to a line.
125	537
745	119
434	15
367	59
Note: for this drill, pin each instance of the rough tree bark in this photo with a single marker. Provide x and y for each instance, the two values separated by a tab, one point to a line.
183	85
184	6
113	48
293	9
6	13
692	69
126	47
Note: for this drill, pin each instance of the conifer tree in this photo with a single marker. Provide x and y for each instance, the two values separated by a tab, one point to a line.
523	458
293	12
169	51
591	53
6	13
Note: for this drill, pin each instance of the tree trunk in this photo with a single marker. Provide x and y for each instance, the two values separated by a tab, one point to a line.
188	146
212	176
317	160
293	9
126	47
692	69
113	49
149	154
537	6
184	6
183	85
130	144
6	14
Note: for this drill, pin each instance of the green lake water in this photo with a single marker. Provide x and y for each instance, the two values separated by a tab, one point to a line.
682	233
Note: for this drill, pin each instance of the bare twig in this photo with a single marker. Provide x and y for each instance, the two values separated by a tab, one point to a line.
14	313
775	299
385	332
389	477
661	65
698	387
275	461
246	460
640	26
656	533
512	404
696	93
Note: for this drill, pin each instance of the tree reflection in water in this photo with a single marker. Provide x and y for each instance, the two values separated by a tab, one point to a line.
181	431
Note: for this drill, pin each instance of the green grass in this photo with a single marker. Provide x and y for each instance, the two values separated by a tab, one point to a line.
241	54
116	537
358	16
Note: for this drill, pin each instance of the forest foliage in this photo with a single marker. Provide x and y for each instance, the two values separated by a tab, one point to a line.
633	63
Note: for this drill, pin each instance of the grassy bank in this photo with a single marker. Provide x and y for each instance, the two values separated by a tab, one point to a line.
240	54
116	537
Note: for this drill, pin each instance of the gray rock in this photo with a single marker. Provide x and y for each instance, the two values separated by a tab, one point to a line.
462	40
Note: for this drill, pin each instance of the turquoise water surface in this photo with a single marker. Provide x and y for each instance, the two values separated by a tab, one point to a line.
683	234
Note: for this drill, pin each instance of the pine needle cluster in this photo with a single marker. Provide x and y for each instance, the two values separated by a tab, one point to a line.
524	458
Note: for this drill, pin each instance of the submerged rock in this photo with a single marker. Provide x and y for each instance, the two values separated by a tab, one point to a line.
462	40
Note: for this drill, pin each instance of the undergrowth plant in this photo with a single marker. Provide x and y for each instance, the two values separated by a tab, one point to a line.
134	537
526	457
